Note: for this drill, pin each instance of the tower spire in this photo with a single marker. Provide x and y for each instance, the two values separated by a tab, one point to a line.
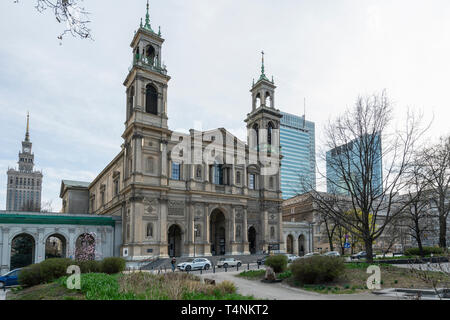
27	134
263	75
147	19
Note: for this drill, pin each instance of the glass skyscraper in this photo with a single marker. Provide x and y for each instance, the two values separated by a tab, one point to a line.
298	148
348	156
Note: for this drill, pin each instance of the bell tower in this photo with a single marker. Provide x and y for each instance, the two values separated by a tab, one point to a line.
146	83
264	119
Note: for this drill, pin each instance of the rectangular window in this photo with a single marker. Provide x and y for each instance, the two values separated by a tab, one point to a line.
116	187
176	171
251	183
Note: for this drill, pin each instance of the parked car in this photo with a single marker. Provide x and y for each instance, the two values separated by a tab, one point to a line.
10	279
332	254
195	264
311	254
361	255
228	262
291	257
262	261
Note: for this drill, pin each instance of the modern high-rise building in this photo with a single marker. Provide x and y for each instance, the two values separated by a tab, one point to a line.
345	160
24	186
298	147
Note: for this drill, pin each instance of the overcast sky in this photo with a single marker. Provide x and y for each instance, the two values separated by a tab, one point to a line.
329	51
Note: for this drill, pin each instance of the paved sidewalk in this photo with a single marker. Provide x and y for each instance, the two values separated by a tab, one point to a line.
280	291
3	294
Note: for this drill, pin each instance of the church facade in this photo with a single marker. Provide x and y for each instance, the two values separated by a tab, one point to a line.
197	194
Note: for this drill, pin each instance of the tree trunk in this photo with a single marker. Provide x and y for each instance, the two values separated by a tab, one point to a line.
419	244
442	232
369	250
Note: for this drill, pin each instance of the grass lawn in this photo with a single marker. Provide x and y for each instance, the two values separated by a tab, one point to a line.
134	286
354	279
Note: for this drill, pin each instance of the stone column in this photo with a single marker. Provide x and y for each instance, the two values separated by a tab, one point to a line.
164	169
233	246
138	153
163	249
191	235
207	248
280	231
40	246
245	232
296	247
4	261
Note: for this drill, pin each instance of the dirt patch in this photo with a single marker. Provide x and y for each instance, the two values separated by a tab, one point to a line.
51	291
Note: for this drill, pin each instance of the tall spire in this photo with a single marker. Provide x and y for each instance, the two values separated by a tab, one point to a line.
263	75
147	19
27	134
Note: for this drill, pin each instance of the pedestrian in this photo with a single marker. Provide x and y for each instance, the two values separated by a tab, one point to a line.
173	262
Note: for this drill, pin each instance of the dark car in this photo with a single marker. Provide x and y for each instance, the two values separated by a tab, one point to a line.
262	261
10	279
361	255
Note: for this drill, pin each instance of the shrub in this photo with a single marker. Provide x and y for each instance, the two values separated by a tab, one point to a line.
30	276
226	287
277	262
52	269
113	265
285	275
90	266
426	251
317	269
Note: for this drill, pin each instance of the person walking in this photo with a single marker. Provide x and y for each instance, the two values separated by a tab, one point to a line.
173	262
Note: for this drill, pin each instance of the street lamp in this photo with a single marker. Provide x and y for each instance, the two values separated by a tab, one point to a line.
195	235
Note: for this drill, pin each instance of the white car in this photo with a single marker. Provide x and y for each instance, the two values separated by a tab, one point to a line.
228	262
195	264
311	254
332	254
292	257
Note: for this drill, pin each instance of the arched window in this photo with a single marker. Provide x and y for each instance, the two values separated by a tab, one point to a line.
150	55
268	99
151	100
149	230
256	135
258	100
269	133
130	102
271	183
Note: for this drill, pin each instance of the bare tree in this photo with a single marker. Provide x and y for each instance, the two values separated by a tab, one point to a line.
70	13
47	206
436	163
355	141
417	212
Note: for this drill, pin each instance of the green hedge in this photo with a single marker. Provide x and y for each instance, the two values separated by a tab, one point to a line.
317	269
113	265
426	251
52	269
277	262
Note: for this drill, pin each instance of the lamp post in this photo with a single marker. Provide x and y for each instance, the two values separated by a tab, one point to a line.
195	235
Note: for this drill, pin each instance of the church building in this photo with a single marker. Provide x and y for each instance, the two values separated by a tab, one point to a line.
197	194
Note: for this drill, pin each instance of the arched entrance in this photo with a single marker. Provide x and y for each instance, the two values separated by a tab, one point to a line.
55	247
217	233
85	247
22	251
290	244
175	242
252	240
301	245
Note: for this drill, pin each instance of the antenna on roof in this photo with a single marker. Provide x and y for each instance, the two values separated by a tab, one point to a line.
304	113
